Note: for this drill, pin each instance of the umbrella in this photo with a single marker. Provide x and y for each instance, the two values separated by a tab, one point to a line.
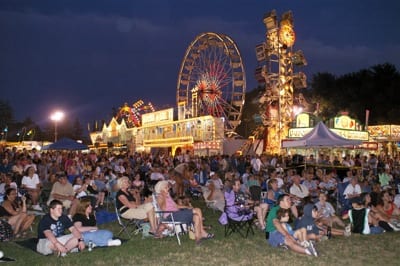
66	144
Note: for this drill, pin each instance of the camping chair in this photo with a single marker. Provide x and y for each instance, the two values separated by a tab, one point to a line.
127	226
235	218
175	227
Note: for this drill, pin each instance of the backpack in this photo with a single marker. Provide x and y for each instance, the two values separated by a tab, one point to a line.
6	231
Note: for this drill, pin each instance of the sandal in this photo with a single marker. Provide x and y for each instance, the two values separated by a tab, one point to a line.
198	242
209	236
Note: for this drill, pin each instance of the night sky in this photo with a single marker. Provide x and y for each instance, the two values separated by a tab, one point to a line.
87	56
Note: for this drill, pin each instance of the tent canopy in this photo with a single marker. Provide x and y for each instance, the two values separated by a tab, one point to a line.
66	144
320	136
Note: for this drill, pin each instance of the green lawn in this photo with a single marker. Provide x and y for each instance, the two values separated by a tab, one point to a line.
234	250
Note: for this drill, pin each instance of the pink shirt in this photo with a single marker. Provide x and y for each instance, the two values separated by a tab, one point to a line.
170	205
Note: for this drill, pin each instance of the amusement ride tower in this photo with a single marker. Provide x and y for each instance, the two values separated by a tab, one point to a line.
276	61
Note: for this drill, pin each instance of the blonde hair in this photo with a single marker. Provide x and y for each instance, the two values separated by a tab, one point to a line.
122	180
160	186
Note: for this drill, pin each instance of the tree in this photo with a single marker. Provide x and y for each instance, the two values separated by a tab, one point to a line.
374	89
6	114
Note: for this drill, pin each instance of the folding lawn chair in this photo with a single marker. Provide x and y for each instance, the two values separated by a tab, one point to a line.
235	218
128	226
175	227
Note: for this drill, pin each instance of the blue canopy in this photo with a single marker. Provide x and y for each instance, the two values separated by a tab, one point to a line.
66	144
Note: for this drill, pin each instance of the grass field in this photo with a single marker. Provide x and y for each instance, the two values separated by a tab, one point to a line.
233	250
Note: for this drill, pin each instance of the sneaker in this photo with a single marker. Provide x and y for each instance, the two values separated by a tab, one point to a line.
348	228
114	242
283	246
37	208
312	249
74	250
305	244
394	227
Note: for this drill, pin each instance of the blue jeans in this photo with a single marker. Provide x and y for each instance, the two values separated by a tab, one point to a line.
376	230
99	237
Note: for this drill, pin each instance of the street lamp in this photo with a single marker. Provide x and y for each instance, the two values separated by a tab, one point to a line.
56	117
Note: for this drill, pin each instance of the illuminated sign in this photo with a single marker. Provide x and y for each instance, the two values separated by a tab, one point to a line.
166	115
298	132
347	134
368	146
303	120
384	131
352	134
344	122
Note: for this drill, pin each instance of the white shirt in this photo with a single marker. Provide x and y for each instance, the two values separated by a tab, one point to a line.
156	176
350	189
300	190
30	182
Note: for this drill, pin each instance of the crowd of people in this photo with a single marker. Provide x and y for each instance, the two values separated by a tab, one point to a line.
299	206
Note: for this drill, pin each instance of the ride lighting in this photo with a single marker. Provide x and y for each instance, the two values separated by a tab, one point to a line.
270	20
300	81
298	58
260	52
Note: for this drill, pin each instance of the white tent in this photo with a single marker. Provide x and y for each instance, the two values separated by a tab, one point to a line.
320	136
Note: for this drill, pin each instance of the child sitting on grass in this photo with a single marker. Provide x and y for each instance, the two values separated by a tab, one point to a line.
300	235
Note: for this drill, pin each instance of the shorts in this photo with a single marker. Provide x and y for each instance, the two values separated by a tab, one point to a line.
182	215
43	246
137	213
276	238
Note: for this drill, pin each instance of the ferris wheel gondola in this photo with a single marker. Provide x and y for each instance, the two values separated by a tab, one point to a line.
212	79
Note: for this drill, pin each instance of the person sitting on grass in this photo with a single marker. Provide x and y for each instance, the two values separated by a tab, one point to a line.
15	212
51	231
326	212
85	221
315	231
299	235
365	219
181	213
277	235
362	218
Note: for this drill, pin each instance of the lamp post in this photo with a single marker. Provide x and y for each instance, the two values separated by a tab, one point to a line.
56	117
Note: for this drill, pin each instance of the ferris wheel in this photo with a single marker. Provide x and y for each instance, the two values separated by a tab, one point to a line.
212	79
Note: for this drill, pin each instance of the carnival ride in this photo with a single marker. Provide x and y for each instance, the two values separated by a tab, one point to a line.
276	61
212	80
133	114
